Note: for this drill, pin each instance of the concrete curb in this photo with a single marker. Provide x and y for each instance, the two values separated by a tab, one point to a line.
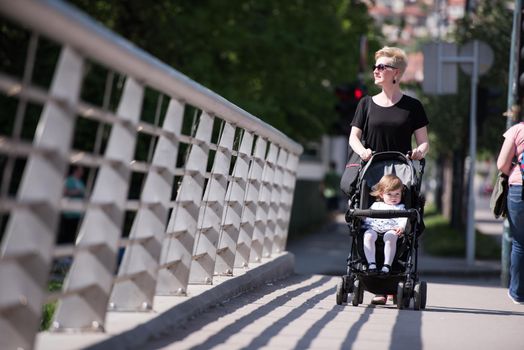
277	268
132	330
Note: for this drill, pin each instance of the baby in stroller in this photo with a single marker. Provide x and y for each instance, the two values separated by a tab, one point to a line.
394	178
388	192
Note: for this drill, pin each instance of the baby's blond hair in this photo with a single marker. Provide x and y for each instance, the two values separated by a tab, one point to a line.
387	183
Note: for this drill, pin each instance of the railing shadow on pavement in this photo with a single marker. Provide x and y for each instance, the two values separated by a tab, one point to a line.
352	334
237	326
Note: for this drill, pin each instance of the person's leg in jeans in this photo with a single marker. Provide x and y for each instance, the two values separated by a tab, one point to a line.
516	227
370	238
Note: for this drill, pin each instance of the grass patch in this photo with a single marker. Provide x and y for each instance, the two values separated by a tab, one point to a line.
48	310
439	239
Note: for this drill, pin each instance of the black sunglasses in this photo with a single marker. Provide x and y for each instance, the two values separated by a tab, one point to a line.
382	67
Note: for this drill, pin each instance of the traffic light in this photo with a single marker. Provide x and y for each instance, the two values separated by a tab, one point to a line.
348	96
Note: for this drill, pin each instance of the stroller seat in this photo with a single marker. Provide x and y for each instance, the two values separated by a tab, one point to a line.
403	280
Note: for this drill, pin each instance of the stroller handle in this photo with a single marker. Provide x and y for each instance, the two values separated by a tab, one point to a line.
382	214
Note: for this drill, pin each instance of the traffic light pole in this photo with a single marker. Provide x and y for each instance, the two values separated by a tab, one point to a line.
513	115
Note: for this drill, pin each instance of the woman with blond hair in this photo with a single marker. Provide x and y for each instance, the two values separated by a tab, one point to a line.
389	120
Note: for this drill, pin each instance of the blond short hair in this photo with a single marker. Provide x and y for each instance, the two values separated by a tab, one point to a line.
386	184
398	56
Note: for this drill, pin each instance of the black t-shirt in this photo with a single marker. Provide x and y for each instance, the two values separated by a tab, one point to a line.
389	128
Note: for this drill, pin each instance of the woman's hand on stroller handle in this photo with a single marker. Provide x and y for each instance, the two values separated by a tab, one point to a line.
366	154
415	154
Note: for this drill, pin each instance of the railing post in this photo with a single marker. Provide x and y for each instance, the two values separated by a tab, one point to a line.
91	274
31	230
211	211
136	283
278	195
227	246
247	223
177	250
274	203
286	201
262	235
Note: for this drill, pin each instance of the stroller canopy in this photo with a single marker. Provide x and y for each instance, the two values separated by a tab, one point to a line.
389	163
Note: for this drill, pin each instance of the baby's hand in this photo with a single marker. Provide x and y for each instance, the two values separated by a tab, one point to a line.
399	231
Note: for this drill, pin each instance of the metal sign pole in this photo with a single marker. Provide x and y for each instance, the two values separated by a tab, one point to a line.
470	242
470	225
475	58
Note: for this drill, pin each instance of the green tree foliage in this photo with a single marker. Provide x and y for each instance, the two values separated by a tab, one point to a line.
492	24
278	60
450	114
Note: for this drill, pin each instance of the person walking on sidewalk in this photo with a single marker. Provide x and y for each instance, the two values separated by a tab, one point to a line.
513	147
388	120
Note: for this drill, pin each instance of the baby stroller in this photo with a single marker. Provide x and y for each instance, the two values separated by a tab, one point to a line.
403	282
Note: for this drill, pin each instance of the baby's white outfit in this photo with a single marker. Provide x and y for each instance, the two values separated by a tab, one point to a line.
386	226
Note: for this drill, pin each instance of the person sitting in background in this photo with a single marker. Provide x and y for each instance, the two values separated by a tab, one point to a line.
74	188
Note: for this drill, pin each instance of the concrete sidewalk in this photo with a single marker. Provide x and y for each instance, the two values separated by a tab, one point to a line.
300	313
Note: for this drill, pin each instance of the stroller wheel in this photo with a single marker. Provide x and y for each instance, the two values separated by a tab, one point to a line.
358	293
348	282
402	296
420	293
342	296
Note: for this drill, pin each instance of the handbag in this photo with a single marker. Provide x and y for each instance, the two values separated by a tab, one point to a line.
348	181
499	196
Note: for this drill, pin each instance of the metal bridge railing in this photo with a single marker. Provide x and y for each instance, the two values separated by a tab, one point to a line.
183	188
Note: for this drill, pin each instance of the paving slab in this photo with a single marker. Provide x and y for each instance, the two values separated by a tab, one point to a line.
460	314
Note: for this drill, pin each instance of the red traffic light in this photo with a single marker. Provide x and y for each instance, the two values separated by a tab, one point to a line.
358	93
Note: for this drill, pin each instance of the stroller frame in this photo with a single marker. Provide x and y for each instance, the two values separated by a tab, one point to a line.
403	281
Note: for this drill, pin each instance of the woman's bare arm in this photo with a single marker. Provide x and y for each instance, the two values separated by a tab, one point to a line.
506	155
356	144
